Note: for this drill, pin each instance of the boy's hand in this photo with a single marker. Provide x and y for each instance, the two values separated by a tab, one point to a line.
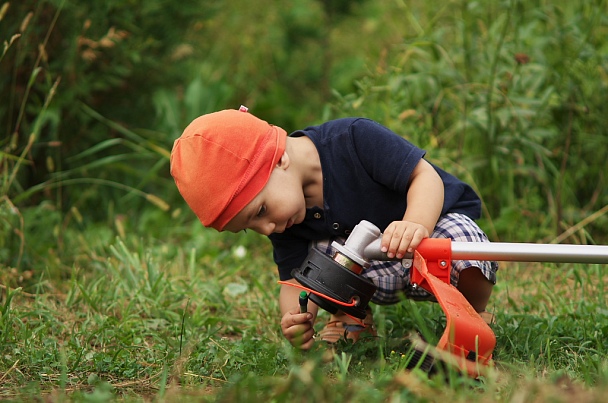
297	328
401	237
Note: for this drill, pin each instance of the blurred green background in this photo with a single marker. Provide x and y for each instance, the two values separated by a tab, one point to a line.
508	95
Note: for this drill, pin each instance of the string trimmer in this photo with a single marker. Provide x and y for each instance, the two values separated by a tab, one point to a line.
335	283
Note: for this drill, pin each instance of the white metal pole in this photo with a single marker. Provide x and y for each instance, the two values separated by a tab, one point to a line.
530	252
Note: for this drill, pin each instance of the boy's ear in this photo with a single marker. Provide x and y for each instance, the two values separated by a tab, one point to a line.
284	161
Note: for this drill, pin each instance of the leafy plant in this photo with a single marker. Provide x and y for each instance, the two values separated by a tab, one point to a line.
497	96
65	67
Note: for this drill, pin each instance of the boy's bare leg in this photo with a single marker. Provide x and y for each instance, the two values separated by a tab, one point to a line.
475	287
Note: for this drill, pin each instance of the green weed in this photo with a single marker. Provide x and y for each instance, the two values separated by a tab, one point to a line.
111	290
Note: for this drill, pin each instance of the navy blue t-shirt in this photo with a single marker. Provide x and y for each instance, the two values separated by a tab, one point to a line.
366	170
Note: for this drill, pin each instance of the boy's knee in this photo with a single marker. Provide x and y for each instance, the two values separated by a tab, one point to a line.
475	287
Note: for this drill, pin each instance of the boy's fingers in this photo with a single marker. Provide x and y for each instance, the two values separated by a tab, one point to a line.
307	345
412	243
301	318
398	242
297	330
299	334
296	319
303	340
401	238
390	242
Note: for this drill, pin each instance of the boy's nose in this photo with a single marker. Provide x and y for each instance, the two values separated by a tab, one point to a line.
267	229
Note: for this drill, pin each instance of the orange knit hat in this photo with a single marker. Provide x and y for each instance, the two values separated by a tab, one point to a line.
222	161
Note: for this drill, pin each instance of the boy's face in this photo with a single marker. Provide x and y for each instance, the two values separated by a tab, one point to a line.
278	206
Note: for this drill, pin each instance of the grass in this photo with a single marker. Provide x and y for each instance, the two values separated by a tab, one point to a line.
152	320
141	304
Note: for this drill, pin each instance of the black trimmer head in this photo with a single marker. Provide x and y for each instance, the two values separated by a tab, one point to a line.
340	285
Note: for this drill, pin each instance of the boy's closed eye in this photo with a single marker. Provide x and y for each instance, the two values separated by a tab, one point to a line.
261	211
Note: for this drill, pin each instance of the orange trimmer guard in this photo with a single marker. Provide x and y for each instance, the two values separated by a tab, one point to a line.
467	336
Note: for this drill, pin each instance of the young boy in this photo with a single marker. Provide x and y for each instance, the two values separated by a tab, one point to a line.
307	189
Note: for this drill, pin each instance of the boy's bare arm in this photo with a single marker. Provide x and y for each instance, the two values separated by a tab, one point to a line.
425	196
424	204
288	299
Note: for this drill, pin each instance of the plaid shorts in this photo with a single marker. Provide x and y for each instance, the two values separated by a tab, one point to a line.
393	279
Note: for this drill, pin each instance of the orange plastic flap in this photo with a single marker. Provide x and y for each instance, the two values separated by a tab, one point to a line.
467	336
